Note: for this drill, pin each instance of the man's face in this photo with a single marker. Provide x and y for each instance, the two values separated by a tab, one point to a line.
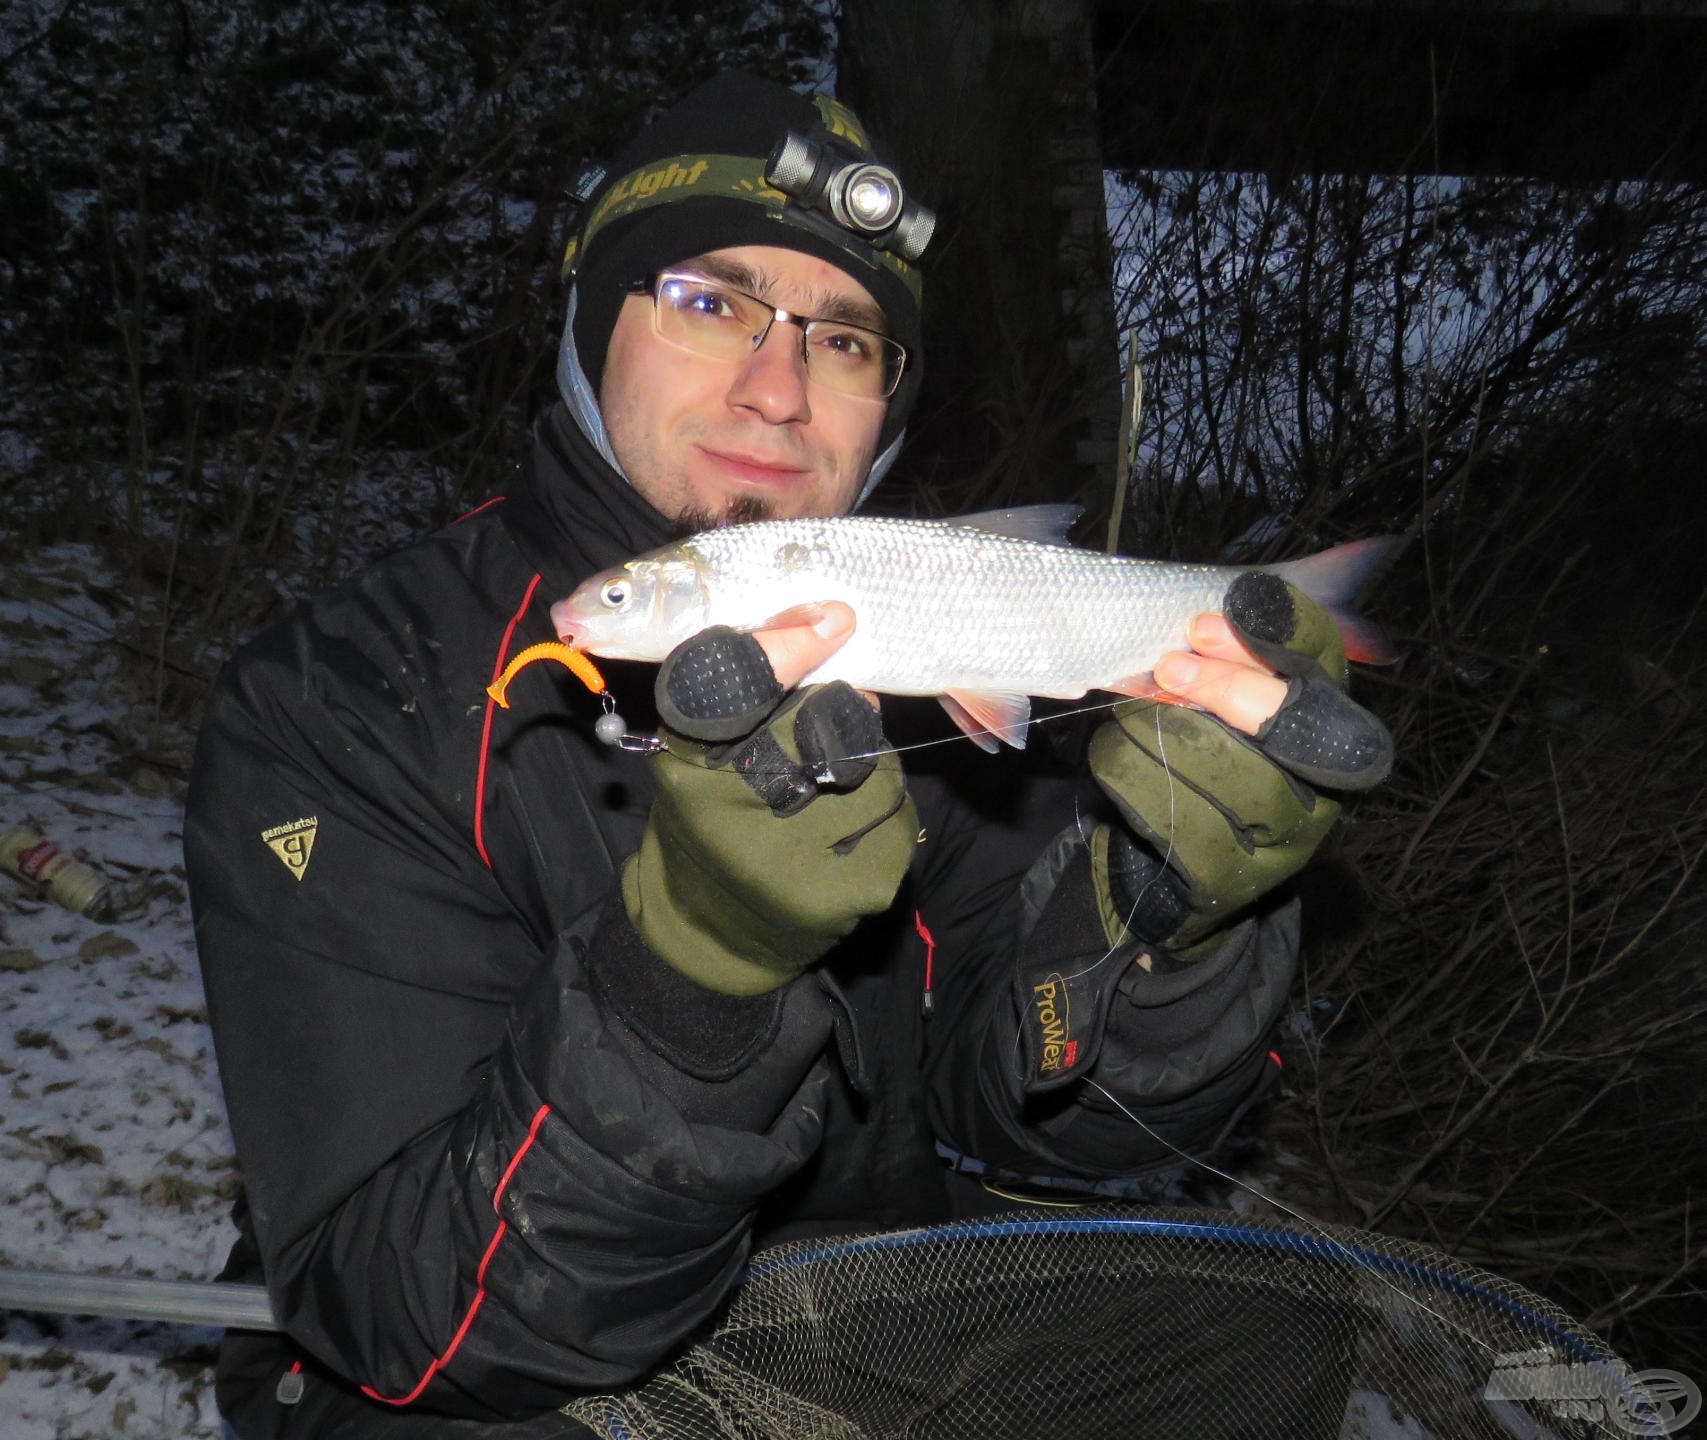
707	441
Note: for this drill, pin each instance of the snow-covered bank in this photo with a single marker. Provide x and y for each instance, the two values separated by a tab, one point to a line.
115	1155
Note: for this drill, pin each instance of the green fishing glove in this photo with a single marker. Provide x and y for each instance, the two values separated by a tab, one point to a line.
1221	818
777	823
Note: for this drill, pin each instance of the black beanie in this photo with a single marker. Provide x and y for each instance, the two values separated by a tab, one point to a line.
693	181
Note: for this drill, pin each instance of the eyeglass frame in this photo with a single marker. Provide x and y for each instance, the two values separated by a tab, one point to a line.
649	285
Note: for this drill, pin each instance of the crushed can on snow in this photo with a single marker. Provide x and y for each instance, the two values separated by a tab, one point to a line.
59	875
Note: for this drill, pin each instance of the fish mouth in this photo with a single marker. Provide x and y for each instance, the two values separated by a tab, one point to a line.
569	630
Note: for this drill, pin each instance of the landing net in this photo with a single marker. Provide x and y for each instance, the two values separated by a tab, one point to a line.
1122	1323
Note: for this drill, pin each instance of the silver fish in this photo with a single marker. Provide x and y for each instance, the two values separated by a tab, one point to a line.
980	611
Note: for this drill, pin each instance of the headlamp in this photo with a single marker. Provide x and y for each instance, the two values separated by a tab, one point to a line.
860	196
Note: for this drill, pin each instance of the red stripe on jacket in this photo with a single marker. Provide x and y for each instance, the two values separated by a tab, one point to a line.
486	727
479	1275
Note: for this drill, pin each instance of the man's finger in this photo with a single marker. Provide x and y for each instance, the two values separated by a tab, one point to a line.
795	651
1212	634
1230	690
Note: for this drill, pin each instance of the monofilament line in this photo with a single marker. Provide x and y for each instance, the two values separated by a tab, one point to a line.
1315	1226
1167	769
1156	875
954	739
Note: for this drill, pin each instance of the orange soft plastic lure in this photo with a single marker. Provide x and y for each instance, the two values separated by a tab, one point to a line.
578	665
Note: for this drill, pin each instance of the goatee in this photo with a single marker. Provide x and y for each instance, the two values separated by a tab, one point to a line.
692	519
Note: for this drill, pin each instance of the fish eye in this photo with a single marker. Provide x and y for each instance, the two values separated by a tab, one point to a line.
616	593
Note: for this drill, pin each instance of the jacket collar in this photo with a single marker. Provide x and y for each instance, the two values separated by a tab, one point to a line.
570	513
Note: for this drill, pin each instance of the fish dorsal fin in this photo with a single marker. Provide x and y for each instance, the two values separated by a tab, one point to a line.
1042	524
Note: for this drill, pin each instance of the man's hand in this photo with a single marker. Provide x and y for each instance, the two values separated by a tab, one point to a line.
1222	675
795	651
780	819
1224	799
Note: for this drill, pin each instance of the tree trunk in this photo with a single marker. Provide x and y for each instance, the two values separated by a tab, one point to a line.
989	107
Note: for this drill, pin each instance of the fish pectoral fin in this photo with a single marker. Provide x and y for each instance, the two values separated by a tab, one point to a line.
802	616
969	727
987	716
1144	687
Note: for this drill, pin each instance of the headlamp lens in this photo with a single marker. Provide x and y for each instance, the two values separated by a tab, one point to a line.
865	198
873	199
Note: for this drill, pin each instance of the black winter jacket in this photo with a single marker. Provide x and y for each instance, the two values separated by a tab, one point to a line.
465	1188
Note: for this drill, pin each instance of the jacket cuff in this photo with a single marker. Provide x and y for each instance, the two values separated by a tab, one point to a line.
1176	1029
734	1061
1158	1026
706	1034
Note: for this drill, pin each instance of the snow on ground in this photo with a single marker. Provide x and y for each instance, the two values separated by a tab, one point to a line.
115	1155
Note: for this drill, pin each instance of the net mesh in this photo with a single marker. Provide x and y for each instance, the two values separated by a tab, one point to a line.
1125	1323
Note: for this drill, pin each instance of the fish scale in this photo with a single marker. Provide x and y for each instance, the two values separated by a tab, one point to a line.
981	611
950	607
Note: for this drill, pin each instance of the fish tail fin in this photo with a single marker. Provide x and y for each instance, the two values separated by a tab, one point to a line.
1333	578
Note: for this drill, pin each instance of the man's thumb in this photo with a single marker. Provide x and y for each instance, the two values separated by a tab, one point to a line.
798	641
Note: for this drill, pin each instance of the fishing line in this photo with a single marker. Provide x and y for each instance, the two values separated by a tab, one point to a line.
1173	812
651	744
612	730
1314	1225
1338	1245
1168	770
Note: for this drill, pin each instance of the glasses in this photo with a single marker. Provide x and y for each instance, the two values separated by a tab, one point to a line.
714	319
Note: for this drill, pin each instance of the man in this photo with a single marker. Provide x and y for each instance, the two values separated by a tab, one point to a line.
525	1038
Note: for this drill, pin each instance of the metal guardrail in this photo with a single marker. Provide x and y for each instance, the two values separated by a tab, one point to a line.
133	1297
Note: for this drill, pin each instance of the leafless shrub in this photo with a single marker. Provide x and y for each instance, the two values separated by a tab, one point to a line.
281	288
1501	1054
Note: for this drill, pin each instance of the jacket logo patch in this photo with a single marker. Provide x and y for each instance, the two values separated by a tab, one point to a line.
293	843
1053	1017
